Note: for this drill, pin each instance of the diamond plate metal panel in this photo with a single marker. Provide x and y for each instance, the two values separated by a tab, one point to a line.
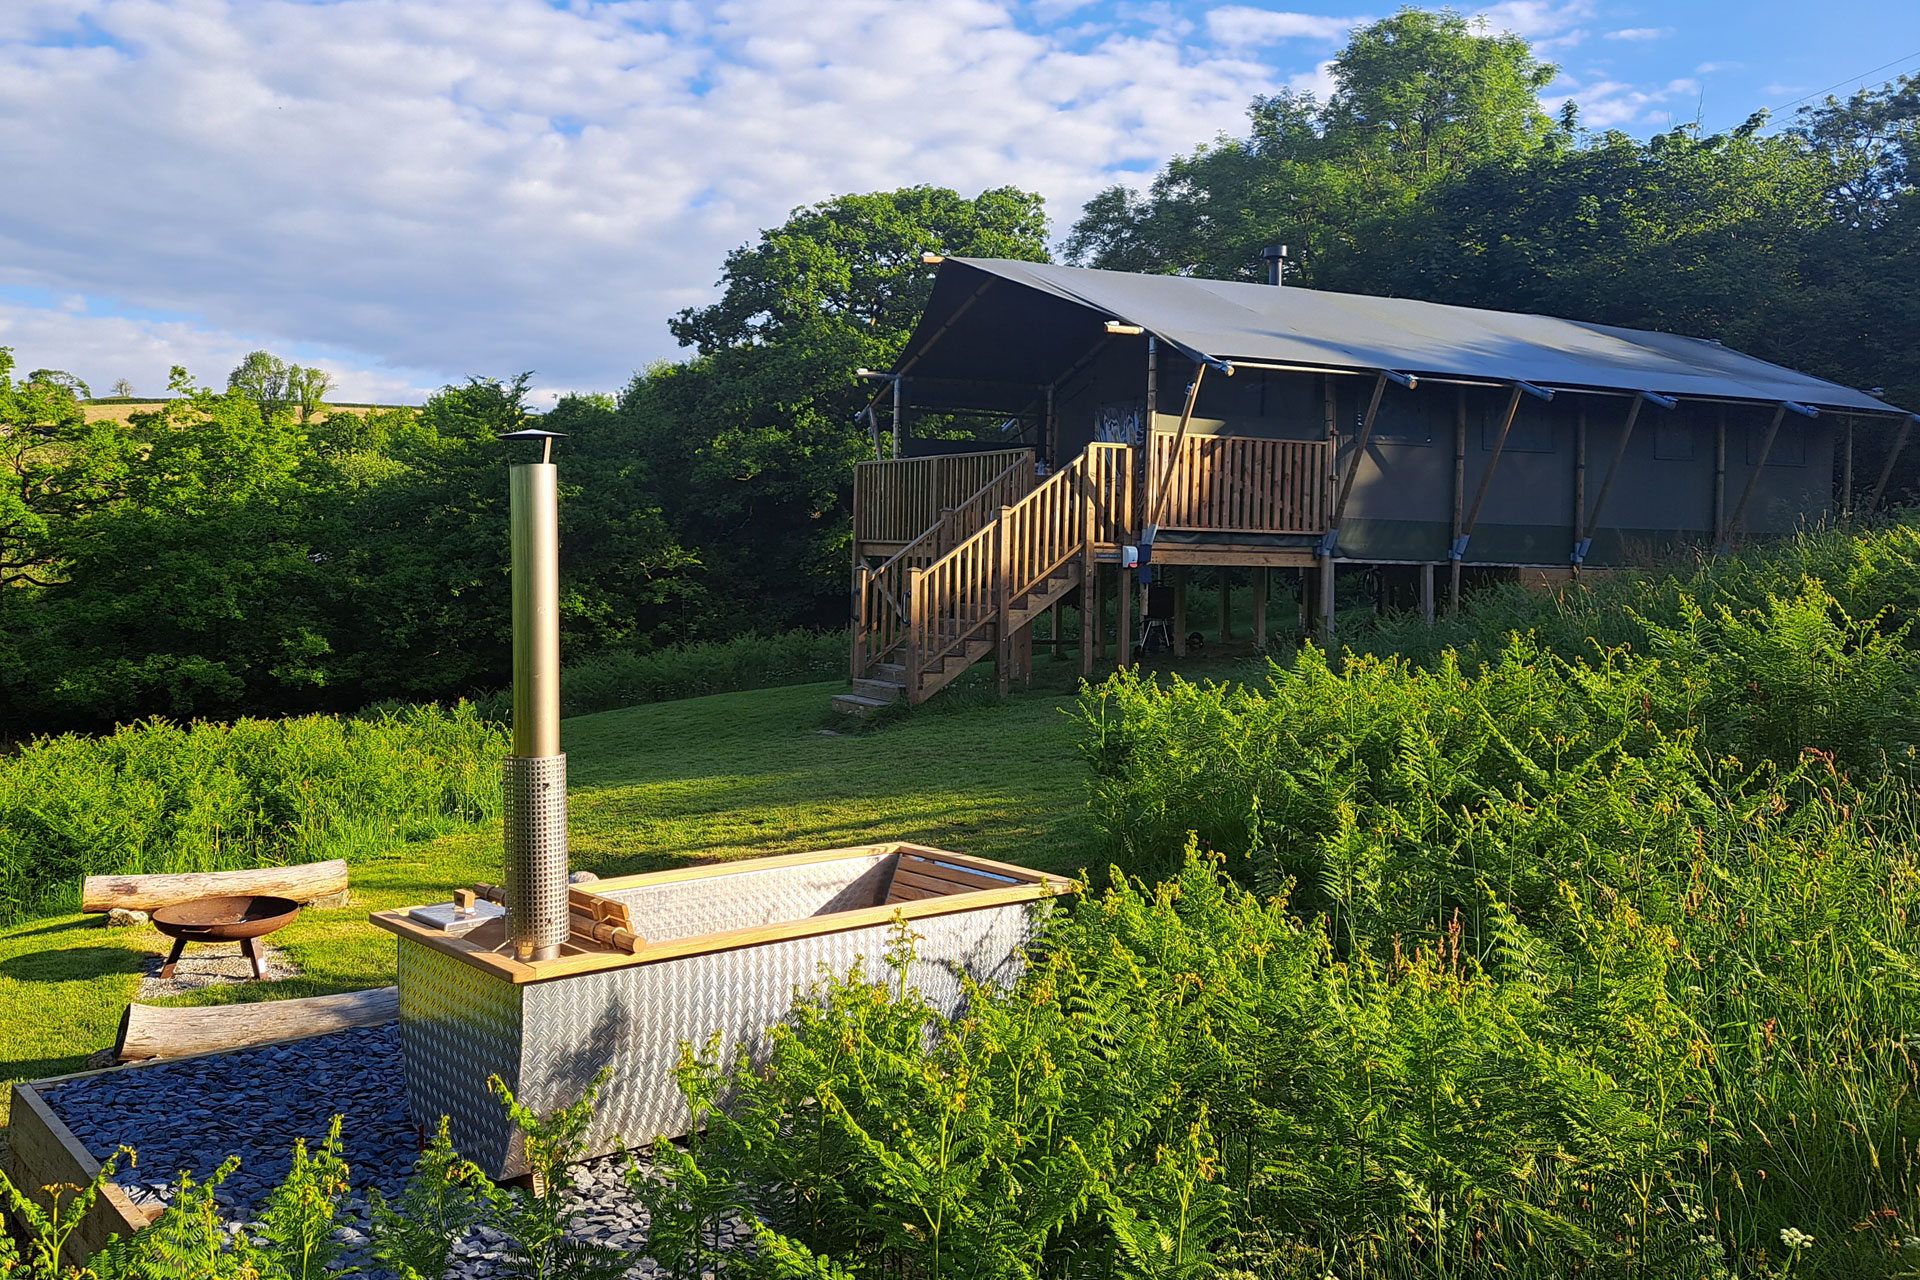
714	904
635	1019
459	1025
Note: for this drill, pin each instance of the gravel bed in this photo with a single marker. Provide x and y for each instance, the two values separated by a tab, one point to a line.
193	1113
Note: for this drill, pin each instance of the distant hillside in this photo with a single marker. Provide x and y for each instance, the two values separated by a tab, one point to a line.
120	408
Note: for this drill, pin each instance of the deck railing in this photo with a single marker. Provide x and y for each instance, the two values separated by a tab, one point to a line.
1239	484
953	601
880	594
897	501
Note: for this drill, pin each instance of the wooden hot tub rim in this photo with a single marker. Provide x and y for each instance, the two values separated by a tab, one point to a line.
1027	885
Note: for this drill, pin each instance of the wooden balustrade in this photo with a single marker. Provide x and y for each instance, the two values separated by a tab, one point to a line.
1239	484
1108	470
953	601
880	594
895	502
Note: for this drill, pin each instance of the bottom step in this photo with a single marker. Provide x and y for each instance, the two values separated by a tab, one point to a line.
853	704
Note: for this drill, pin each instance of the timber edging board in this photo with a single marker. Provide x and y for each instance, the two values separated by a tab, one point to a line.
44	1153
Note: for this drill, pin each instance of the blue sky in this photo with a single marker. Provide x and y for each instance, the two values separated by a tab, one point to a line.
410	191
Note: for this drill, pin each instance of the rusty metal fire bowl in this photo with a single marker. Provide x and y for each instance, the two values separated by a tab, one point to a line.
241	918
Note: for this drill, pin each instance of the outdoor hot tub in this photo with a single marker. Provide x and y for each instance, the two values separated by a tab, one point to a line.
689	952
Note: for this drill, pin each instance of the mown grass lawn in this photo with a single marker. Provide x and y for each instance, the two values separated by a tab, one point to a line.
728	776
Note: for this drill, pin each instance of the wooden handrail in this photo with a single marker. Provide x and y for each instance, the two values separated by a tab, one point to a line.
881	605
972	587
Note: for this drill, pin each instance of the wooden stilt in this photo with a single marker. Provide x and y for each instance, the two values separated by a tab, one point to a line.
1179	611
1426	593
1096	618
1226	603
1260	608
1846	472
1123	599
1720	478
1326	601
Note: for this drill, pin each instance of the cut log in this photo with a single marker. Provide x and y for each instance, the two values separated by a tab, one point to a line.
153	1031
313	883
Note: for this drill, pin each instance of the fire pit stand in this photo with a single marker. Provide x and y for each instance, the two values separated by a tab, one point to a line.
242	919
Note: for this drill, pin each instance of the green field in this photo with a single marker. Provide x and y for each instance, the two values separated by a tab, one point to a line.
727	776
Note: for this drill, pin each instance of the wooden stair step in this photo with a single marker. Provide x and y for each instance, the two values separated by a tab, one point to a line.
881	690
854	704
891	672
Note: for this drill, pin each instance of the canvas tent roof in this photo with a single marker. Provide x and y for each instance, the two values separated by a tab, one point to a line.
978	331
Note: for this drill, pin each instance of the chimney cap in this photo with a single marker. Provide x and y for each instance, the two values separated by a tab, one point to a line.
532	433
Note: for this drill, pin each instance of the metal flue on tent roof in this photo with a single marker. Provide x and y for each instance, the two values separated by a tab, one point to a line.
962	338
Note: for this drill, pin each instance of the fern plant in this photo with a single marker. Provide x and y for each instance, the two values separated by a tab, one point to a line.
444	1197
536	1218
297	1222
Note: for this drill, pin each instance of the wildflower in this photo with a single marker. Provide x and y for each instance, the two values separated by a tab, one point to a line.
1795	1238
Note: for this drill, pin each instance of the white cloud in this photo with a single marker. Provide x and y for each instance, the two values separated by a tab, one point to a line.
1243	24
1640	33
484	186
1319	82
1607	104
1534	19
1708	68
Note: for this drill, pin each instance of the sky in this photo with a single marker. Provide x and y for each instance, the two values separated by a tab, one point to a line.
409	192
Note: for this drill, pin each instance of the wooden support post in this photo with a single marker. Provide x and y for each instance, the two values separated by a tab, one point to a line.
1592	521
898	429
1089	566
916	622
1359	450
1225	577
1003	599
1326	601
1179	611
1886	472
857	658
1459	494
1123	597
1426	593
1720	477
1260	608
1304	602
1753	476
1051	434
1095	617
1846	471
1579	480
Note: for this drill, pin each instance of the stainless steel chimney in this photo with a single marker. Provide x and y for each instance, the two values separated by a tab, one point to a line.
535	775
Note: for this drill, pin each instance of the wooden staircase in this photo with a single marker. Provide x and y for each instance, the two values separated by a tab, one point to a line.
969	586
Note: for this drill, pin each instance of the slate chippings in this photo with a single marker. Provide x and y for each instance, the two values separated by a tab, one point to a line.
193	1113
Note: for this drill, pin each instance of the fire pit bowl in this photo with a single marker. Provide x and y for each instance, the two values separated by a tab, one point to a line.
239	919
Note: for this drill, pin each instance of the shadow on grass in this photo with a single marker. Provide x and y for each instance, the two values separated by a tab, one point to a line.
73	964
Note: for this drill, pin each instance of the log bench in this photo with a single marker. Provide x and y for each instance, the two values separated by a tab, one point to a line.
160	1031
320	885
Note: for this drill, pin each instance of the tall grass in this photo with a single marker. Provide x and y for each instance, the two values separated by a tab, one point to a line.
609	681
160	797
